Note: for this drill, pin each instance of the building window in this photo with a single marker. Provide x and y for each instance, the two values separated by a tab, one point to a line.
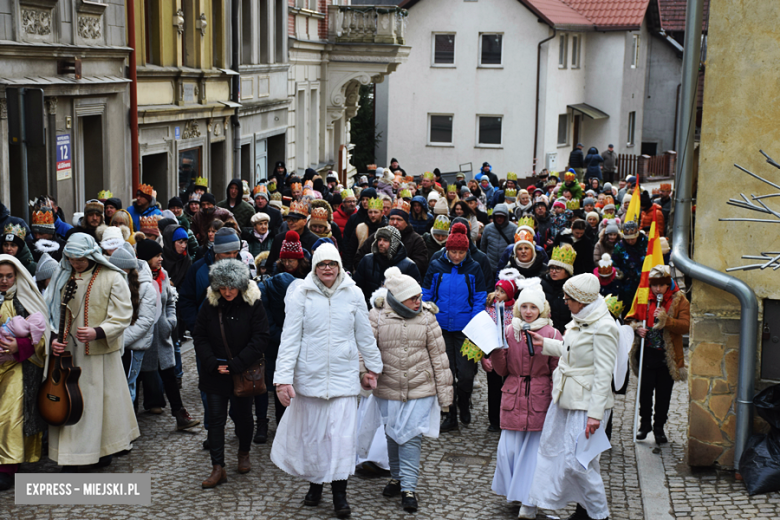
490	49
563	129
217	35
575	51
634	51
443	49
631	127
246	33
152	31
489	130
440	129
563	43
311	5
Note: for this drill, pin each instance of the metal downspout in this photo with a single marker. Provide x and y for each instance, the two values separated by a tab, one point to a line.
134	158
748	331
235	43
538	79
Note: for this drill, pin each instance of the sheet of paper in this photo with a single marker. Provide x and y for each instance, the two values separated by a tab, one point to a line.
482	331
621	360
588	449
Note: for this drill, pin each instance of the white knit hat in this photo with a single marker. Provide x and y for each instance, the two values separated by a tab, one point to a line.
583	288
441	207
531	292
401	286
433	195
326	252
112	238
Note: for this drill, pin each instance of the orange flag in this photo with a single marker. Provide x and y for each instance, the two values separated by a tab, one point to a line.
634	210
653	258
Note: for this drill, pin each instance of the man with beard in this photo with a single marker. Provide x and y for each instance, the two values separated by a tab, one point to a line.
242	211
281	175
261	206
93	217
346	209
387	251
207	214
143	206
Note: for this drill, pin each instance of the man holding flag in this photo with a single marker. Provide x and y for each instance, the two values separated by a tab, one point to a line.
660	315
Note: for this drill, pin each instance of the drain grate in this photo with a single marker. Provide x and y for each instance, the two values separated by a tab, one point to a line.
466	460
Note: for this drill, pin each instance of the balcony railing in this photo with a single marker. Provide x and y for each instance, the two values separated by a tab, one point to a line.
366	24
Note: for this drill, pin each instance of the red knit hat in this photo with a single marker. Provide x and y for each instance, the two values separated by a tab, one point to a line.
291	246
458	239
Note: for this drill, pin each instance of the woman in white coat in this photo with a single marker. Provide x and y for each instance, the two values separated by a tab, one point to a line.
582	400
318	378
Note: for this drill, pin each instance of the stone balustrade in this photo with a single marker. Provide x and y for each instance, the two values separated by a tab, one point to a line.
366	24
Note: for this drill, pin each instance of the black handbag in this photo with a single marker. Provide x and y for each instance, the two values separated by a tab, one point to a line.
250	382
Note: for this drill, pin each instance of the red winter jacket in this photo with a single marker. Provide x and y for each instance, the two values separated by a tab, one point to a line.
527	391
340	217
647	219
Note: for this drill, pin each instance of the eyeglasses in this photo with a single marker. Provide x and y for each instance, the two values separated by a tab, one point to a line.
328	265
417	299
555	268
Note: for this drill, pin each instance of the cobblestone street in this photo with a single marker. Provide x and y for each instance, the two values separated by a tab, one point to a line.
456	476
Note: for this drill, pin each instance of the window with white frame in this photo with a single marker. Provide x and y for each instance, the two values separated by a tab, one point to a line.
490	54
576	43
444	50
631	127
440	129
563	129
489	130
634	51
563	44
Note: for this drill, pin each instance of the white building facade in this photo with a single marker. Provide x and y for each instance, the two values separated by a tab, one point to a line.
468	91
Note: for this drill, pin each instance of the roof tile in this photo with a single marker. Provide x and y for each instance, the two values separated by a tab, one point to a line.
673	14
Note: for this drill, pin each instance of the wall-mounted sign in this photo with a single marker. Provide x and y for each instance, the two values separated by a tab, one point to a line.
64	165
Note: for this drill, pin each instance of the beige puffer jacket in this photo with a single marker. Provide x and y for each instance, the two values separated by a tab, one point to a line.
413	353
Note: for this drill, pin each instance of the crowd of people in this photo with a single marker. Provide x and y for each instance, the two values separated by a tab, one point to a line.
355	298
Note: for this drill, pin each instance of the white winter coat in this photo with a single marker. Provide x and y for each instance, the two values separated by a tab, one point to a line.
321	339
138	336
583	379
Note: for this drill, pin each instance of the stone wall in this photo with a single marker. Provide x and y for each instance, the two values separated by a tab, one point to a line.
740	116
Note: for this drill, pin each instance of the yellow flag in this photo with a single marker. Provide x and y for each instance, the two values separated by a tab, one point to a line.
653	258
634	207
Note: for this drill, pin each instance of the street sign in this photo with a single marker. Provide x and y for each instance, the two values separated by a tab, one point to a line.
64	166
177	132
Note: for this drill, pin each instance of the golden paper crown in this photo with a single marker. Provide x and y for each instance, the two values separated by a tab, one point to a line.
570	176
398	178
402	205
511	176
452	188
104	194
409	178
405	194
614	305
245	187
564	255
573	204
16	230
150	222
510	193
524	233
376	204
527	221
42	217
276	196
299	207
202	182
442	223
320	214
471	351
347	193
428	175
296	186
146	189
309	184
260	188
307	191
666	186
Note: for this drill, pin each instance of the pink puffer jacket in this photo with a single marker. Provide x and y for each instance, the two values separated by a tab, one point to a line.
527	391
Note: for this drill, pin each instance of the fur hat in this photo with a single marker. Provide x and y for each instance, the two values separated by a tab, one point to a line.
124	259
291	246
46	267
261	258
401	286
229	273
583	288
661	274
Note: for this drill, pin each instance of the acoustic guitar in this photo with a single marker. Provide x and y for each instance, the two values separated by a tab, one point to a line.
60	401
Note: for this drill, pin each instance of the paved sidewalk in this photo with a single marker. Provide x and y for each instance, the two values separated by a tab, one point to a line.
455	482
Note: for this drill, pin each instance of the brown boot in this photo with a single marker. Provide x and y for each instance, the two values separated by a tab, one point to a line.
184	420
217	477
244	466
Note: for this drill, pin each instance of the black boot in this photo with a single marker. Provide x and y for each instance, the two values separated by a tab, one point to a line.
579	514
340	505
660	436
644	429
450	420
6	481
409	501
463	407
314	495
261	437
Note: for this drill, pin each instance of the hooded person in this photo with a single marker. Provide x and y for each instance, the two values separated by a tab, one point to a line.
593	165
124	222
102	310
12	242
23	360
419	217
651	212
497	235
628	257
44	271
387	250
436	238
176	261
233	202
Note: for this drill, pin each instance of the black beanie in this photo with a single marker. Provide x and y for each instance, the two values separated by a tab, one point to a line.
175	202
368	192
336	200
147	249
644	200
208	197
114	201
